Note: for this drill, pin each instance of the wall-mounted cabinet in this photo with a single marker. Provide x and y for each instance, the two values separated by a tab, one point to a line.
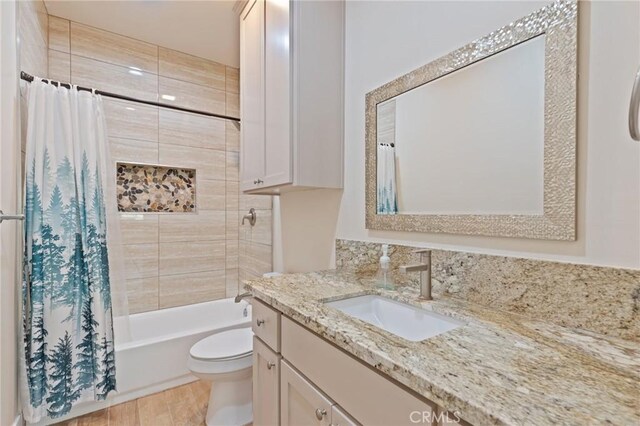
291	95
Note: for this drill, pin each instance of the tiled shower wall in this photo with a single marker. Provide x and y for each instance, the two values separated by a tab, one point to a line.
171	259
32	31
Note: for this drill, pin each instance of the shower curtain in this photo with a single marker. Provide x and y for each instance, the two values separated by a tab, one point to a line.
67	301
386	168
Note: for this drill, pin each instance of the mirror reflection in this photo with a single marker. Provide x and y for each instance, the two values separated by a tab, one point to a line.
470	142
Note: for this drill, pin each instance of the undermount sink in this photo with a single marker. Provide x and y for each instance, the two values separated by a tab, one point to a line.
398	318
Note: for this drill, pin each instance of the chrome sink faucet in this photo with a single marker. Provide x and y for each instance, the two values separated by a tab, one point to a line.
424	267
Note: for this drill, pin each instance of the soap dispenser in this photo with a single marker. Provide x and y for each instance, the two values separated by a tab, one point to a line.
383	279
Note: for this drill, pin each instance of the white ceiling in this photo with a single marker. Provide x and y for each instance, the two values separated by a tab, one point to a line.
208	29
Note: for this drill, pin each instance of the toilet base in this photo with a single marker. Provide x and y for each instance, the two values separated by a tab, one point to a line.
230	402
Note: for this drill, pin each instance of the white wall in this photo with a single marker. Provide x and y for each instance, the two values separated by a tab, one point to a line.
387	39
9	231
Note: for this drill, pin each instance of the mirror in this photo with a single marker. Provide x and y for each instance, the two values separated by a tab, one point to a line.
482	140
471	142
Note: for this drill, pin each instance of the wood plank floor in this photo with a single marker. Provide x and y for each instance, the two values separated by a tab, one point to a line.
182	406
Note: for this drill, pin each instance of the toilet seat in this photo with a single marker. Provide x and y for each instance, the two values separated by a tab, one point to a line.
227	345
225	352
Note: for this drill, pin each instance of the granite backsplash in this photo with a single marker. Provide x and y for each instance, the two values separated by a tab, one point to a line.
600	299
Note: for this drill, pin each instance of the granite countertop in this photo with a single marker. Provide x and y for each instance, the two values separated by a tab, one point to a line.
498	368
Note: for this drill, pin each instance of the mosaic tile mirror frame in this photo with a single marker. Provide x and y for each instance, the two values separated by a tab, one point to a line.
558	22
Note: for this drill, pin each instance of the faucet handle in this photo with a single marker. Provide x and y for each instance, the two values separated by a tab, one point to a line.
425	255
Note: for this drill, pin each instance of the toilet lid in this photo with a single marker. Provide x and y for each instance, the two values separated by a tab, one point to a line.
228	344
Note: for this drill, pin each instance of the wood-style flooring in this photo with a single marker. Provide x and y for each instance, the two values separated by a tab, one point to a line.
182	406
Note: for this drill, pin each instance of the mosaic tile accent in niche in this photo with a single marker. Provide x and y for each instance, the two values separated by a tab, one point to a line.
146	188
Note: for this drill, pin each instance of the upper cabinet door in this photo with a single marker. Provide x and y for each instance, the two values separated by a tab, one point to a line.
278	142
252	156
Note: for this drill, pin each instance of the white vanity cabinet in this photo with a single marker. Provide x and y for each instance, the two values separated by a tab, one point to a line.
291	95
301	379
301	402
266	385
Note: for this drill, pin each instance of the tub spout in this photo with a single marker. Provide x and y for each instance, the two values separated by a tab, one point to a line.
242	296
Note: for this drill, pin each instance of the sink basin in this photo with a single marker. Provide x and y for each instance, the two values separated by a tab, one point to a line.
403	320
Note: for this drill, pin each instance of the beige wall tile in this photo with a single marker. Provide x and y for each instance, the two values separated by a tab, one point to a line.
233	193
245	275
210	194
32	30
232	80
185	289
59	66
233	166
232	276
109	47
59	34
131	120
133	150
194	256
232	101
233	225
258	202
113	78
261	232
233	136
255	258
142	294
141	260
209	163
192	69
201	226
193	96
232	254
137	228
181	128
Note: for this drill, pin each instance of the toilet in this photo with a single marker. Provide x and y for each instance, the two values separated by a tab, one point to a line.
225	359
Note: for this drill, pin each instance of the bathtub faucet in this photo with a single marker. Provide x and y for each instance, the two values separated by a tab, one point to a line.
242	296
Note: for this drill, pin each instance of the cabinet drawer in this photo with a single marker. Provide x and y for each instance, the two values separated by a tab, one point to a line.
266	385
364	393
302	403
266	324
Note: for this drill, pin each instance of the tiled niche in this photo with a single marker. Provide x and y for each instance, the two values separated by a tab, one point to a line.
144	188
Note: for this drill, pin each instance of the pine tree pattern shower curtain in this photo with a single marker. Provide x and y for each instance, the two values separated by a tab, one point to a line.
69	352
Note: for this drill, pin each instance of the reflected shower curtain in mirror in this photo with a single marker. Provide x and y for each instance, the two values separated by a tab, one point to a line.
387	198
69	354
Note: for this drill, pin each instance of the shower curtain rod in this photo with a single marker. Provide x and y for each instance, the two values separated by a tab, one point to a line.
28	77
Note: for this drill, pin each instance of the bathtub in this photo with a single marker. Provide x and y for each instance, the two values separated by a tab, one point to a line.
152	347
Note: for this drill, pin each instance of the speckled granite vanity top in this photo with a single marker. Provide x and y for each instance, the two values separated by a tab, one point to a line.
498	368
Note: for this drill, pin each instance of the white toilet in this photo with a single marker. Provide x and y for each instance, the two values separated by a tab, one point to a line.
225	359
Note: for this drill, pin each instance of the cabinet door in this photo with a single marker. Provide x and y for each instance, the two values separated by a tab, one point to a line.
302	404
252	148
266	383
340	418
278	160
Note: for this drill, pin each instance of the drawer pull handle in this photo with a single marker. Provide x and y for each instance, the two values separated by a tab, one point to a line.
270	365
259	322
320	413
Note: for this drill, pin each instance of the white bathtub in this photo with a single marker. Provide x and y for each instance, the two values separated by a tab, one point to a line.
151	353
